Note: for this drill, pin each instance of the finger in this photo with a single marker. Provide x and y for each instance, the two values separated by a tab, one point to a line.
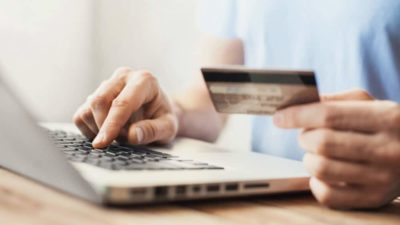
350	146
343	115
335	171
346	197
87	117
100	101
85	130
161	130
378	149
357	94
139	90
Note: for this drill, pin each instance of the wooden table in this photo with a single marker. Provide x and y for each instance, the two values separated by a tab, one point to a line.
23	201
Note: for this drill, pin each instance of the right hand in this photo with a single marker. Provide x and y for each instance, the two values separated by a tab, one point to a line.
130	106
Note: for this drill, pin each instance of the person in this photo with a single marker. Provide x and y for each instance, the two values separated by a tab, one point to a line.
351	139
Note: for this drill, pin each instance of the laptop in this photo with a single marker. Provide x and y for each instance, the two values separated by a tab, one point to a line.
125	175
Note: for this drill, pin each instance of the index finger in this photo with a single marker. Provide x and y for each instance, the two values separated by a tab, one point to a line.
352	95
367	116
139	90
100	101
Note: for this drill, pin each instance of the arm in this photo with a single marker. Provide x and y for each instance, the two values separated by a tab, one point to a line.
194	107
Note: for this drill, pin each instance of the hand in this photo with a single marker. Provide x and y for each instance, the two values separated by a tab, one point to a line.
352	148
129	106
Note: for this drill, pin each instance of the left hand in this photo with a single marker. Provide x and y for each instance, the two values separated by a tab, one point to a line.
352	145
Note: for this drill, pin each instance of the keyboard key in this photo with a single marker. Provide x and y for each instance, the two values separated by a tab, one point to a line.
121	157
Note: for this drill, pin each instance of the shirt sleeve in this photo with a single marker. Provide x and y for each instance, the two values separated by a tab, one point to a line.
217	17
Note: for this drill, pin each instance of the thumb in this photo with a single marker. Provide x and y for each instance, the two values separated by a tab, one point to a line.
356	94
162	130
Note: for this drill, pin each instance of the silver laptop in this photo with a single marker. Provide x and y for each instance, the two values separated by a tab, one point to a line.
123	174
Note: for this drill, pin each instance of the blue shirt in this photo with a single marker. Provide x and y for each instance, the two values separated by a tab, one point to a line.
348	43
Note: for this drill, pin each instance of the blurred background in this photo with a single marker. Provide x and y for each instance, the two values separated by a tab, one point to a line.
56	52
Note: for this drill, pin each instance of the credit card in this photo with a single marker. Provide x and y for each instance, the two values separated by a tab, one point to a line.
240	90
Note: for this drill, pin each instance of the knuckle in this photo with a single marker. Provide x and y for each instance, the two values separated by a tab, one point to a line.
393	114
146	76
378	198
89	98
104	83
363	94
307	157
385	178
309	163
98	101
291	116
324	142
86	114
302	140
122	72
326	197
388	153
77	119
120	103
322	169
329	116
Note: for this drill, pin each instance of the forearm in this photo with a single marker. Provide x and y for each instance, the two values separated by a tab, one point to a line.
196	114
197	117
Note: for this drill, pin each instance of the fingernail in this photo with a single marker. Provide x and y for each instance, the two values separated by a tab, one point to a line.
99	138
139	134
278	119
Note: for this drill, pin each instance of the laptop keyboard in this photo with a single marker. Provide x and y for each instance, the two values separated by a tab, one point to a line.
77	148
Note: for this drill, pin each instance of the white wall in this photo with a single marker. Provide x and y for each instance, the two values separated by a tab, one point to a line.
57	51
46	50
147	34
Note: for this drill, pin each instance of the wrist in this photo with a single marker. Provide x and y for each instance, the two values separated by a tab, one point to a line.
178	111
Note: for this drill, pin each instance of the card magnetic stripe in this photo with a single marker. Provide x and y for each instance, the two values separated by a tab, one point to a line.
240	77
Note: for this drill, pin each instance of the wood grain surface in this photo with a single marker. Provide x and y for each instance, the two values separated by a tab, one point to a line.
23	201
